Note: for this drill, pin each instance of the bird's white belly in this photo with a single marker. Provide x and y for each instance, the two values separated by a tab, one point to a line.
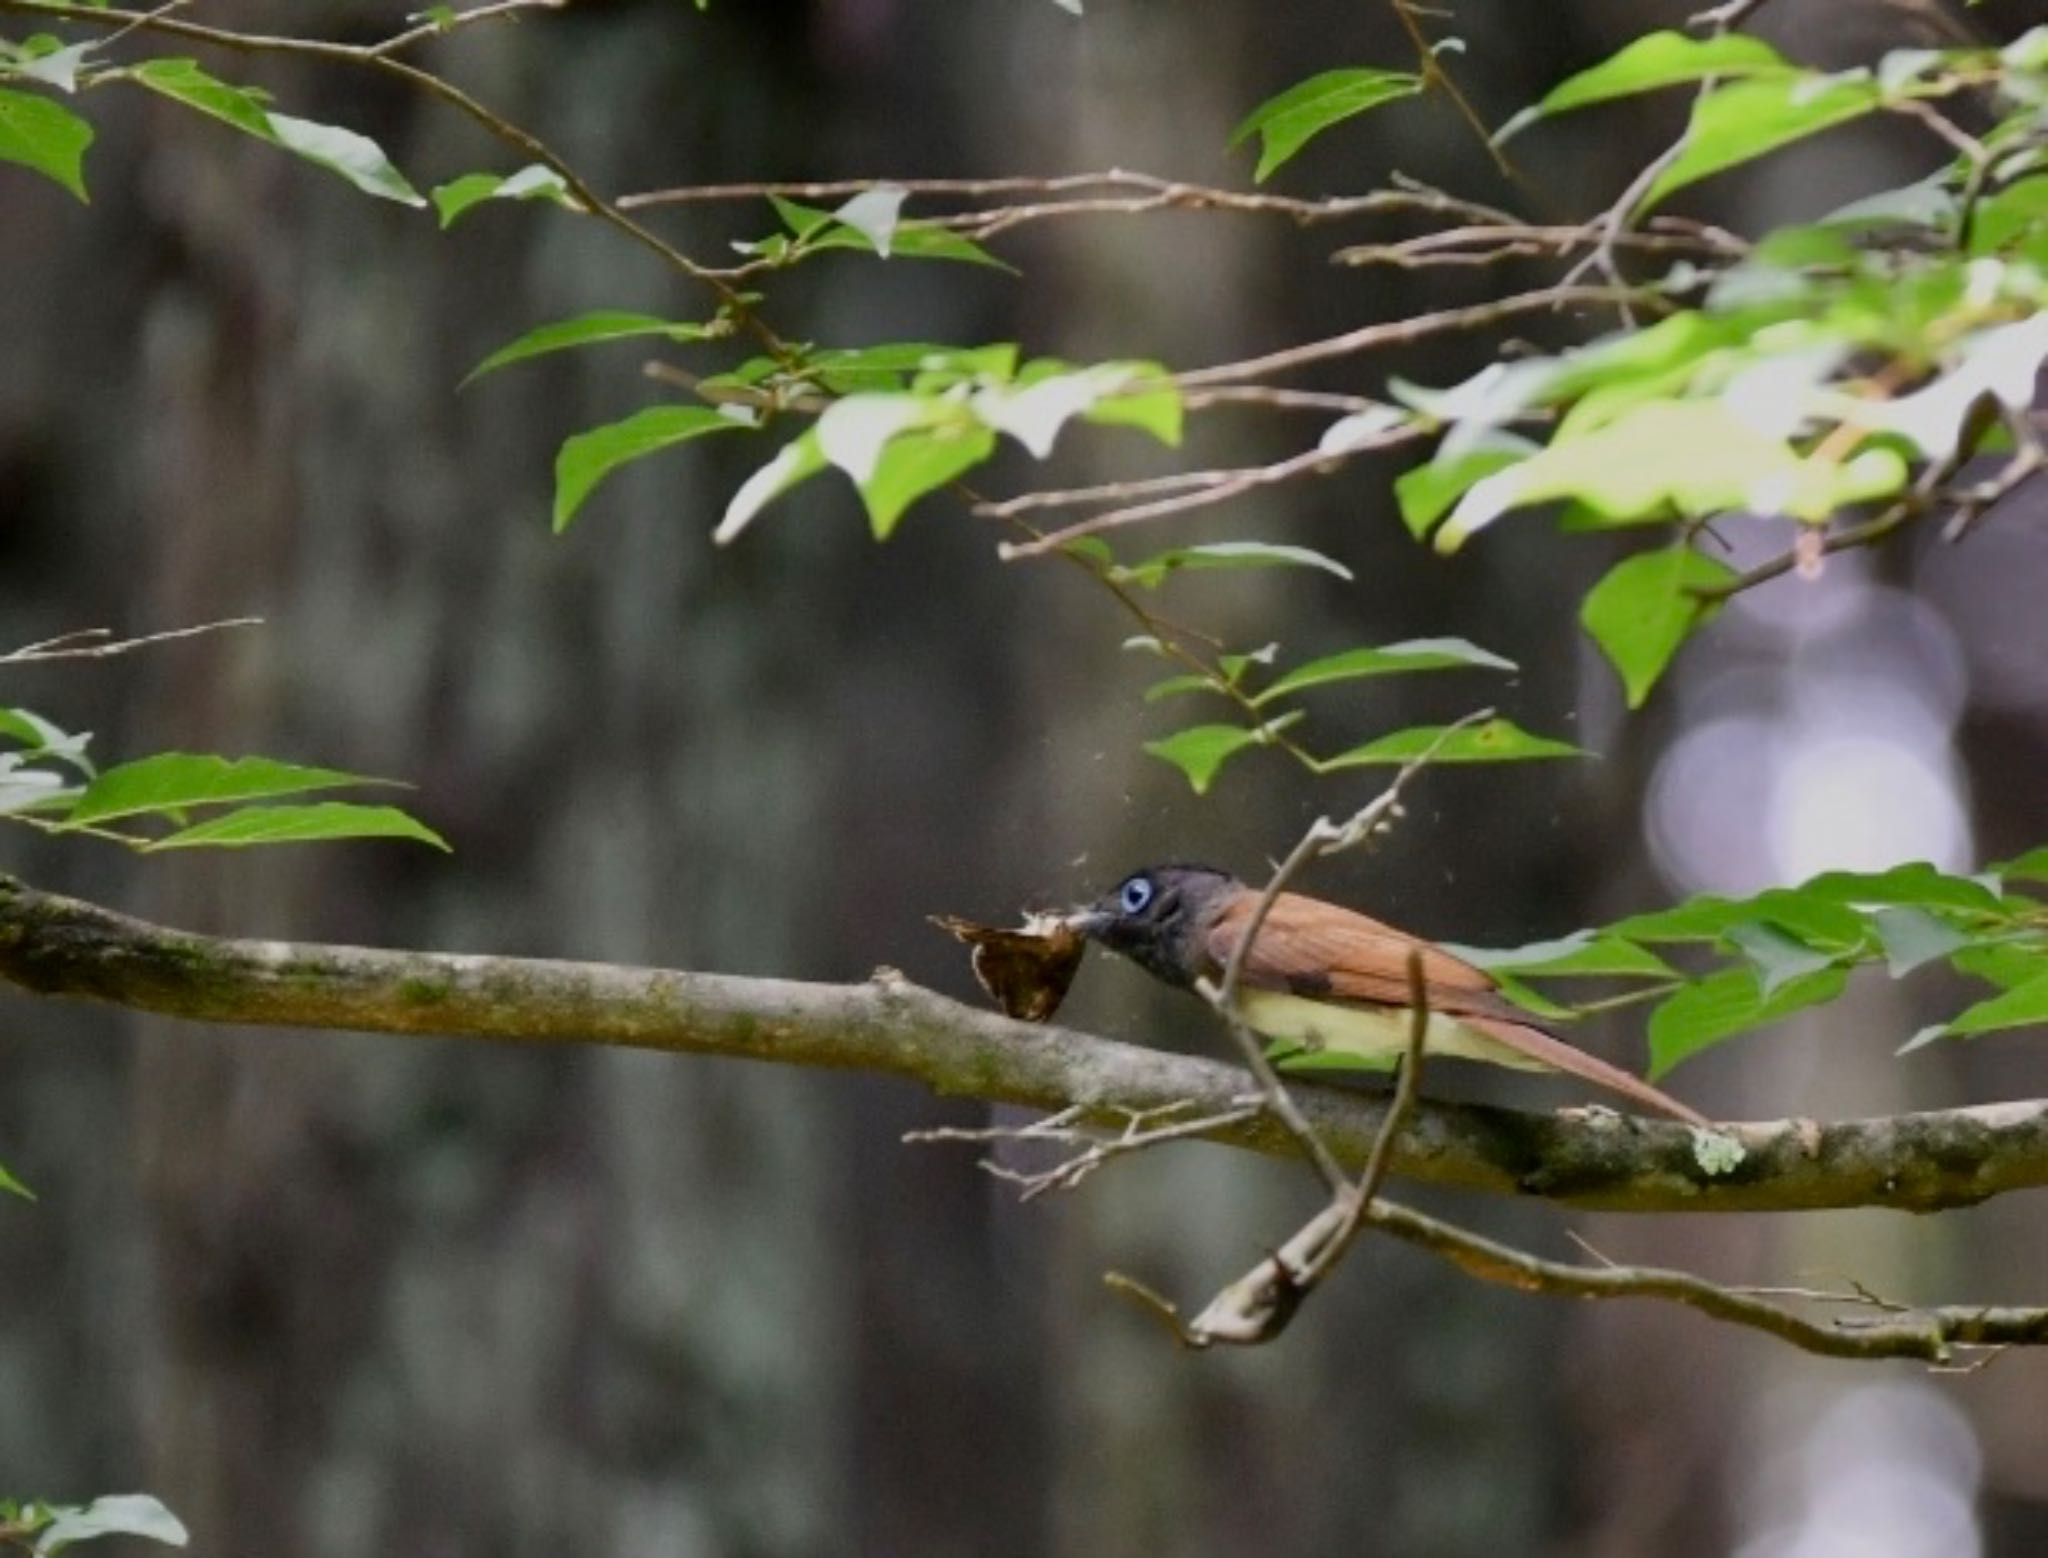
1378	1034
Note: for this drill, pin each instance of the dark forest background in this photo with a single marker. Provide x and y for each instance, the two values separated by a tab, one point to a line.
337	1296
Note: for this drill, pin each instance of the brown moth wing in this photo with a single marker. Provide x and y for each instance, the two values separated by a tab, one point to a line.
1026	970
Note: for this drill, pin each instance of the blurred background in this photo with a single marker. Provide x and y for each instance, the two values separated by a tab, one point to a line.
344	1295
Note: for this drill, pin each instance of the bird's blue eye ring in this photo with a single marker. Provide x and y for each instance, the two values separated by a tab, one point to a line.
1134	895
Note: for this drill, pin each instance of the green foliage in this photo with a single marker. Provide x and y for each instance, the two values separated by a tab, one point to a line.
44	1529
1288	122
584	330
47	781
1646	606
45	136
1753	961
1494	741
534	182
588	458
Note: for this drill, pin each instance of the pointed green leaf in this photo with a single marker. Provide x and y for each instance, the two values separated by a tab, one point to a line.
2003	964
1912	937
2023	1006
919	462
1777	956
585	330
1496	741
119	1514
183	81
172	781
45	136
2033	865
13	1186
1727	1003
1744	120
355	157
1646	607
1916	882
1154	570
1429	492
796	461
1201	750
1415	654
1174	686
1659	59
588	458
316	823
1585	955
534	182
1287	122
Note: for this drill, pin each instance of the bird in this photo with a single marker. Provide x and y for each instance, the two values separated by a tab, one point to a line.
1324	977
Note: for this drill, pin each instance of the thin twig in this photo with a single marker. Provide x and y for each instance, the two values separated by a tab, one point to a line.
100	644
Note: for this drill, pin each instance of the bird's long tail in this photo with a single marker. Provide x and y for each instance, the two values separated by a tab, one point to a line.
1556	1055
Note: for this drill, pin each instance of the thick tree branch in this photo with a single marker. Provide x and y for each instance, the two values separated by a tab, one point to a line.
1919	1162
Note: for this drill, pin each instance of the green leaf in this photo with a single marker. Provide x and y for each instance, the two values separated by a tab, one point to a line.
1154	570
1584	955
1912	937
1709	918
322	821
1201	750
1725	1004
122	1514
1156	410
1496	741
533	182
2023	1006
796	461
13	1186
1428	492
1646	607
916	463
1286	123
2004	965
1916	882
183	81
45	136
355	157
1777	956
1415	654
815	230
1175	686
1744	120
1660	59
2030	867
585	330
1666	458
588	458
172	781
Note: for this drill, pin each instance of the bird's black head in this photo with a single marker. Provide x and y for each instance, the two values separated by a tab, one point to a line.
1157	918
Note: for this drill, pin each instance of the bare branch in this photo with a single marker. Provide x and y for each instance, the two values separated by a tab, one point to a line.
100	643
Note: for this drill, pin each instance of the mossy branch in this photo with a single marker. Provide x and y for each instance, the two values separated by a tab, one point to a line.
57	946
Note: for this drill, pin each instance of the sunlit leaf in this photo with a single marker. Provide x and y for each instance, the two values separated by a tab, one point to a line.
45	136
795	462
1201	750
1585	955
1743	120
183	81
316	823
355	157
1154	570
585	330
13	1186
1646	607
919	462
535	182
2023	1006
1722	1005
1659	59
1496	741
1913	937
1415	654
121	1514
588	458
173	781
1286	123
